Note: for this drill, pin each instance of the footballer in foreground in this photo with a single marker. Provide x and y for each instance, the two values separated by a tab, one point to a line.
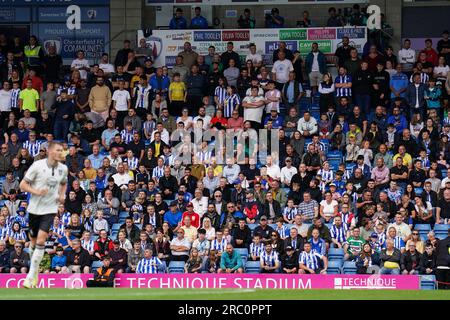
46	182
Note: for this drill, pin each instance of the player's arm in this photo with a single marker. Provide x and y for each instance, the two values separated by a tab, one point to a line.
25	184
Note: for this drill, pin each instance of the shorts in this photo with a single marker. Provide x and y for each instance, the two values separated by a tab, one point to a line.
40	222
315	77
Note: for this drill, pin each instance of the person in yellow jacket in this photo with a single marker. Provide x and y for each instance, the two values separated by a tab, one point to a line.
33	54
100	99
103	276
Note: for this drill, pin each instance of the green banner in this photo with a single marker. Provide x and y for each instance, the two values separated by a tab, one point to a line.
305	46
293	34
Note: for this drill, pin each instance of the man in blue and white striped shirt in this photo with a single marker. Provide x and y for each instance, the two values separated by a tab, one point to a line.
269	261
32	145
148	264
339	232
256	248
309	261
343	83
127	134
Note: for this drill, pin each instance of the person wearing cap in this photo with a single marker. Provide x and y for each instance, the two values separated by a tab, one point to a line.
104	275
238	194
290	261
194	216
180	247
263	229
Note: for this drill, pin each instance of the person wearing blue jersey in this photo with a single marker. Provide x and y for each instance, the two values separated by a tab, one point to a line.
198	22
148	264
312	262
178	21
269	261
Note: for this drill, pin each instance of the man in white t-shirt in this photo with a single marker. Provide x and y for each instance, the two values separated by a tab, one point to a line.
273	170
256	58
5	101
281	69
407	57
202	115
288	172
80	64
273	98
104	64
121	100
253	108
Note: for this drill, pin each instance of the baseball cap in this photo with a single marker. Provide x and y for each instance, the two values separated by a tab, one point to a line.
21	209
263	218
181	193
289	248
374	235
190	204
288	159
332	184
148	59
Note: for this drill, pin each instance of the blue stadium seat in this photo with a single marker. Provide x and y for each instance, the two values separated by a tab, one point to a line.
114	235
2	203
252	226
428	282
243	252
349	267
115	226
418	191
139	225
96	264
441	231
168	202
273	225
124	214
336	254
422	227
94	237
444	173
329	225
334	266
252	267
176	267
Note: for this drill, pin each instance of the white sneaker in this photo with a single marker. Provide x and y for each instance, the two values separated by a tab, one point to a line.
29	284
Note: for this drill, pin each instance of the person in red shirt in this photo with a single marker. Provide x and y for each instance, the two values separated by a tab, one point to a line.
102	245
37	81
195	217
432	55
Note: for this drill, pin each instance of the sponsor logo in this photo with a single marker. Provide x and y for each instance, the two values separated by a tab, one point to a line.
53	42
351	33
372	282
180	36
293	34
271	46
321	34
170	61
236	35
155	46
324	46
207	35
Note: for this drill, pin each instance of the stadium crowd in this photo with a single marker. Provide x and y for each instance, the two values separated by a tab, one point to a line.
362	174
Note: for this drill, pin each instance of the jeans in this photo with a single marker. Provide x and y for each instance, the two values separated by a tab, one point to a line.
61	129
389	271
363	101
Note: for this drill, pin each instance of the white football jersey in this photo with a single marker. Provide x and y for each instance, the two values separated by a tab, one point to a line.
40	175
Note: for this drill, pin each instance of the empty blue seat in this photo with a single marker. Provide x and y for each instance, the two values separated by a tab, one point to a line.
336	254
349	267
252	267
418	191
252	226
329	225
422	227
243	252
96	264
334	266
428	282
441	228
115	226
273	225
124	214
176	267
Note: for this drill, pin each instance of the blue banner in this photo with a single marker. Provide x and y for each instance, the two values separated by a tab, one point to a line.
8	3
88	14
351	33
92	38
15	14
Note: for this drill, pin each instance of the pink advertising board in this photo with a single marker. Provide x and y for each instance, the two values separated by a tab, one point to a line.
321	34
232	281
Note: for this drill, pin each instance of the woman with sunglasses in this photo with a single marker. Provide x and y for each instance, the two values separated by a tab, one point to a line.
417	241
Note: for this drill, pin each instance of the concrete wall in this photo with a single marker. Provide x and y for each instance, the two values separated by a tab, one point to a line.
126	18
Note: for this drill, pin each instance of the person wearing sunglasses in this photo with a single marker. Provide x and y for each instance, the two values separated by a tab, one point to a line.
416	241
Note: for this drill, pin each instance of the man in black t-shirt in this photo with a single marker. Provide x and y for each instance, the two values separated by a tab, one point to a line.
399	173
443	208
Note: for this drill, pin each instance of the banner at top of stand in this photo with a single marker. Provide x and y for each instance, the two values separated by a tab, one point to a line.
245	2
6	3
